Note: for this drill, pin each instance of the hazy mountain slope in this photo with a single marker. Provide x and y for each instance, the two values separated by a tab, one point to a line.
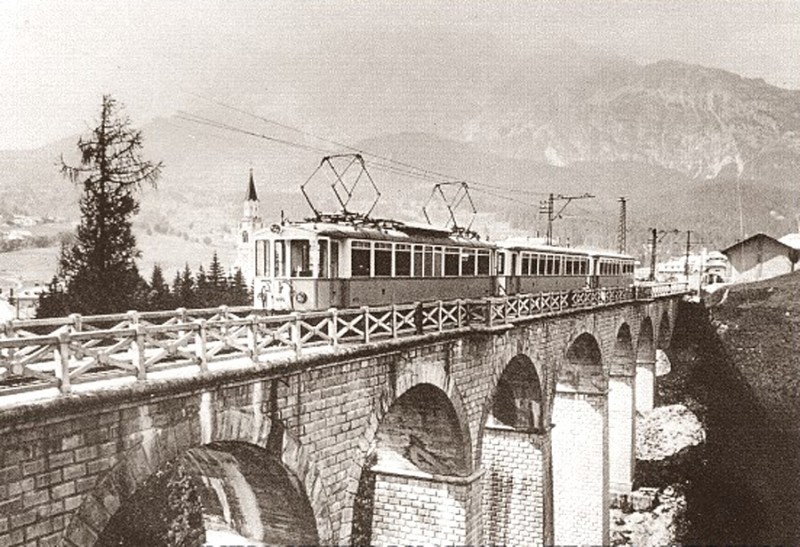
692	119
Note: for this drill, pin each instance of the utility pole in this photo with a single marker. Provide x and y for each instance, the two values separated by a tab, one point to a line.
656	235
688	248
653	244
622	229
548	207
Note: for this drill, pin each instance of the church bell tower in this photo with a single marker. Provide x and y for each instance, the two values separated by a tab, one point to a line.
249	223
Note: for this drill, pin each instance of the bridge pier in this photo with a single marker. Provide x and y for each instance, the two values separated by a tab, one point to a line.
580	468
419	508
517	490
645	385
621	431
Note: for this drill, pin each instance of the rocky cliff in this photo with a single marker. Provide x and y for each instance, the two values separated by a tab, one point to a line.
700	121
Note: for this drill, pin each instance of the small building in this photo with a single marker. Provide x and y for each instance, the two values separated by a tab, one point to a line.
761	257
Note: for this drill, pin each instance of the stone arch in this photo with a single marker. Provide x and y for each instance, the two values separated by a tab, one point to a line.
409	374
621	412
518	398
623	358
645	344
421	442
514	457
664	331
582	367
422	432
160	447
579	445
645	367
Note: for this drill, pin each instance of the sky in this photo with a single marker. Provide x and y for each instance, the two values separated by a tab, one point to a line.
58	57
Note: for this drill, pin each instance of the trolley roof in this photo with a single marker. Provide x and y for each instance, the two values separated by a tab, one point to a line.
392	231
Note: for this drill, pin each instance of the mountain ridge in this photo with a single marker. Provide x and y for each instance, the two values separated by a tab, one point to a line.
684	143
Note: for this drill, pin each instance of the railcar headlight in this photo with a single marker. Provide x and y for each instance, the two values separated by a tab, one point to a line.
301	297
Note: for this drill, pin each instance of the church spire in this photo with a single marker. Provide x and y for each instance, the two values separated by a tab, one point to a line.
251	189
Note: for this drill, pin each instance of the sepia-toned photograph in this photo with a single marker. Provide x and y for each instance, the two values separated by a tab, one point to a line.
420	272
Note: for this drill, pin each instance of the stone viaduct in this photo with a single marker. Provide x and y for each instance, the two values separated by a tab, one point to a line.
517	433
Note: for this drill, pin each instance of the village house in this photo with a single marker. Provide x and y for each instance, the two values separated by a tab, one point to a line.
761	257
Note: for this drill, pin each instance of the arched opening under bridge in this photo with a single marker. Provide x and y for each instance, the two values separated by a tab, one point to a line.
515	458
580	446
621	412
421	452
223	490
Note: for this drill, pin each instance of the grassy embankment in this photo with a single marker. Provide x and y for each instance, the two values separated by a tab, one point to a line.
736	364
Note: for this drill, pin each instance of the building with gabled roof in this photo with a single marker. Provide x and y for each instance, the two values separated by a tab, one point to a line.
762	256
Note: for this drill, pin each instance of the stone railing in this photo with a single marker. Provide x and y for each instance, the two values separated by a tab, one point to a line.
59	352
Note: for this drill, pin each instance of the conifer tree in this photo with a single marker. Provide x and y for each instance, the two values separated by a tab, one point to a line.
216	274
240	293
159	297
184	292
202	289
99	267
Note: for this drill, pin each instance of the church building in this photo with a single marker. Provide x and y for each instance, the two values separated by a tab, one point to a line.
248	224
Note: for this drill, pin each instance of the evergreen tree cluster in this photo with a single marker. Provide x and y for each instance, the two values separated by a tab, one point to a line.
207	288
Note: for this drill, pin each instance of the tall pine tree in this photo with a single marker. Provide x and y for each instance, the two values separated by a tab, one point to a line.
158	297
99	268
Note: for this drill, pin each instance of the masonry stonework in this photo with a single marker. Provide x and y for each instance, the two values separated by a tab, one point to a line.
67	465
621	432
419	510
513	487
580	469
645	385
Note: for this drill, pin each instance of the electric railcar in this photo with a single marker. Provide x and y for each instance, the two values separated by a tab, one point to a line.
318	265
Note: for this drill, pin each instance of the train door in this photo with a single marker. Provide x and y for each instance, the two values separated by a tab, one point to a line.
278	293
593	281
512	272
501	273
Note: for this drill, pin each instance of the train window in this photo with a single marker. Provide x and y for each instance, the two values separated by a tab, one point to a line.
534	264
279	263
557	265
323	259
360	259
568	266
383	259
429	269
402	260
418	260
501	263
451	261
484	262
550	261
468	262
300	257
438	258
526	263
334	259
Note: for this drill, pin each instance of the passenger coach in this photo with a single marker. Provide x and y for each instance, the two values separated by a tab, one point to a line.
318	265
